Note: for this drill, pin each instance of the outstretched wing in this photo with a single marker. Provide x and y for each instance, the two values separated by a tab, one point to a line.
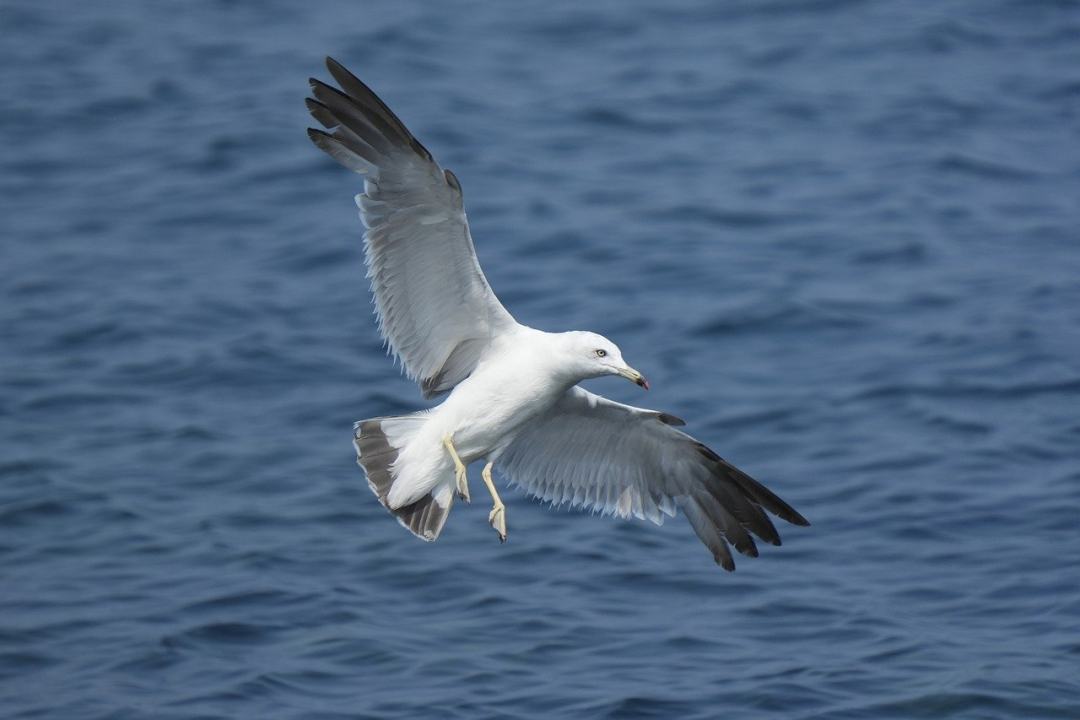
434	305
593	452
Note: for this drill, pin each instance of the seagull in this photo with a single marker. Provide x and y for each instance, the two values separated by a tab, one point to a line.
512	397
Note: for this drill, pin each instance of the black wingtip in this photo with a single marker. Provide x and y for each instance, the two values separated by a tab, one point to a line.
797	519
332	147
788	513
361	95
704	450
316	84
452	180
752	488
322	114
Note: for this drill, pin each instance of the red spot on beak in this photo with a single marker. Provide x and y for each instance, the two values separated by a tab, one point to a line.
643	383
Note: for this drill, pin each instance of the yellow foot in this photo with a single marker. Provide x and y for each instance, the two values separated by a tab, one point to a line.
497	518
460	476
463	485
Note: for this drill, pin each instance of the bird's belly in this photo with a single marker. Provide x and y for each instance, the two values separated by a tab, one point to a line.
490	420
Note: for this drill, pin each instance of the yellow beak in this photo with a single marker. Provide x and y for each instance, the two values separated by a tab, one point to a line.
634	376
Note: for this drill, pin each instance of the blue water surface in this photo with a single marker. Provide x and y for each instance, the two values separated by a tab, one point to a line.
841	237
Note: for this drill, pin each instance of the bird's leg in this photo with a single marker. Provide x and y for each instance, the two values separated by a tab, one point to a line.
497	517
459	469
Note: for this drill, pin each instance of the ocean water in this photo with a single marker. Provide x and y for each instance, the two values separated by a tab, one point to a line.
841	237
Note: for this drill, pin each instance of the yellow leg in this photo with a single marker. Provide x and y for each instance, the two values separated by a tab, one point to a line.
459	469
497	518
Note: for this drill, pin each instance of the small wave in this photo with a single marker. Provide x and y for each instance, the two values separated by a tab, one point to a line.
26	513
908	253
982	168
953	704
770	319
609	117
641	706
102	334
22	468
971	390
13	664
70	400
245	599
737	219
231	633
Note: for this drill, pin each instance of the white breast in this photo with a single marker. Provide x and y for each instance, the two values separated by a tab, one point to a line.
485	411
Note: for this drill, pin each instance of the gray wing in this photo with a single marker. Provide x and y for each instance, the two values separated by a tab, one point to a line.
435	308
590	451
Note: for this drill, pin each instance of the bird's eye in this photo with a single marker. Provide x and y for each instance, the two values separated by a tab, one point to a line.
601	353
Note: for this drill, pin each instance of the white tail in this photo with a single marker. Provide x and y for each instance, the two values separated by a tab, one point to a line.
378	443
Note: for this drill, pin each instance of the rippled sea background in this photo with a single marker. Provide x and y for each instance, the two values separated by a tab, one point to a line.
841	237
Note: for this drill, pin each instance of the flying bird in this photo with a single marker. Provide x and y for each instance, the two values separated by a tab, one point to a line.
511	392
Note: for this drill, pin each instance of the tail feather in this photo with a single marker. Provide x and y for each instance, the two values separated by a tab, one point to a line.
378	442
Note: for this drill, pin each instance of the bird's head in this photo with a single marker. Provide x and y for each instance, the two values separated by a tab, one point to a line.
592	355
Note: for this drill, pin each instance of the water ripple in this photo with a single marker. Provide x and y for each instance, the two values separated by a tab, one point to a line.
839	234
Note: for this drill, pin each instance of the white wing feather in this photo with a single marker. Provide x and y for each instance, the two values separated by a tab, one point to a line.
435	308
